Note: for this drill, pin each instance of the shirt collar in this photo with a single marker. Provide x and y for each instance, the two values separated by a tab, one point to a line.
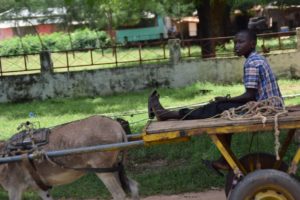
251	54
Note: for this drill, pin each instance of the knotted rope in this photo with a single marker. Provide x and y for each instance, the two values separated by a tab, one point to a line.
263	109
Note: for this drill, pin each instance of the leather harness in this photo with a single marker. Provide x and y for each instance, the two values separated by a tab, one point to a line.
33	171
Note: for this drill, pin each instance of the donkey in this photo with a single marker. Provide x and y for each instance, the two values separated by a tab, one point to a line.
16	177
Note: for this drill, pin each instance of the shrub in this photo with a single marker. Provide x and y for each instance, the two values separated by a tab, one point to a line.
58	41
31	44
11	47
85	38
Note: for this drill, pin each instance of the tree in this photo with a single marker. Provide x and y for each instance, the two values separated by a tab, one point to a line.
98	14
5	5
110	14
213	14
213	21
177	10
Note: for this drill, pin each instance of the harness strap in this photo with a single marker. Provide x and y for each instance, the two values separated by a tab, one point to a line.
34	173
114	168
99	170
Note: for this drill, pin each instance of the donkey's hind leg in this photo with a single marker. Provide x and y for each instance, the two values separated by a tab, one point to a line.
45	195
112	183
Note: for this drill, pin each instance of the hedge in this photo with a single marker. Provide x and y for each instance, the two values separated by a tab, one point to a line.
58	41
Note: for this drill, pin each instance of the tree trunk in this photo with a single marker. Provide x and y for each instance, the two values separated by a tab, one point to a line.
110	25
204	28
214	21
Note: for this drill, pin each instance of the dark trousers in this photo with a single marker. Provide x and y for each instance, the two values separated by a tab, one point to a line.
207	111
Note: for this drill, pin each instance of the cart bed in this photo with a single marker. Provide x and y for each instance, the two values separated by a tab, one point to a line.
291	120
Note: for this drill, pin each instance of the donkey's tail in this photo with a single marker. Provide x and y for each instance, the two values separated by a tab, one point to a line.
128	185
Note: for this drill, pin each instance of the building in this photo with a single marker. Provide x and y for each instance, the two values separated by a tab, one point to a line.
150	28
24	22
279	18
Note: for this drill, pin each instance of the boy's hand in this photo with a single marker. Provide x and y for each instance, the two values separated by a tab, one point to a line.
222	99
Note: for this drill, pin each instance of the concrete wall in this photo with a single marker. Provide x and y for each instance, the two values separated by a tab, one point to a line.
85	83
176	73
230	70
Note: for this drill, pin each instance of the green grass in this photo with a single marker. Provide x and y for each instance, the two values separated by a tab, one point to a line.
164	169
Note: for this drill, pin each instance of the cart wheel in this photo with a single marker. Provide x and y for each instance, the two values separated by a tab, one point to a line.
252	162
266	184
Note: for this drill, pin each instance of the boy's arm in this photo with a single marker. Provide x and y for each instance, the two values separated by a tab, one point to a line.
248	95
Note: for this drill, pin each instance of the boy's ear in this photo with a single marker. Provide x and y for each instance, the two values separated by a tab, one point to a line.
253	44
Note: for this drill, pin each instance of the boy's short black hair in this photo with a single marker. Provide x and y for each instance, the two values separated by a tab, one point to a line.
250	33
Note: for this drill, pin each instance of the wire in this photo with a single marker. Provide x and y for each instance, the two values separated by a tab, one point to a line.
139	112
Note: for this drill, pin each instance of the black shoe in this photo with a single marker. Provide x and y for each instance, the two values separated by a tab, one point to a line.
209	164
221	164
151	114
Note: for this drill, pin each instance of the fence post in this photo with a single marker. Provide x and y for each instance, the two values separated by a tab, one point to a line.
298	38
174	48
46	62
297	136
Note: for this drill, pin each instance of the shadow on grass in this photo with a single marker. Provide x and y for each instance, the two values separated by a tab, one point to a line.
97	105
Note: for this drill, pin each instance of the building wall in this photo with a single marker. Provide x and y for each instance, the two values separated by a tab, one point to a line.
6	33
46	28
230	70
289	17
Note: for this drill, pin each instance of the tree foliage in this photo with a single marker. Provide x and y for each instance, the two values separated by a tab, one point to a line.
110	14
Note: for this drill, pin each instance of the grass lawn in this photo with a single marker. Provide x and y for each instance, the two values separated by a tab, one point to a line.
164	169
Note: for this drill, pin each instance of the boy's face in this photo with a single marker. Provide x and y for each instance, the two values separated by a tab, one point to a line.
243	46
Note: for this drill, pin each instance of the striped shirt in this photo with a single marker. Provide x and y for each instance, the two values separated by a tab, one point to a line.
258	75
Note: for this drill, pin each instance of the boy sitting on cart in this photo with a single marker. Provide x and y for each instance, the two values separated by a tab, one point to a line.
259	81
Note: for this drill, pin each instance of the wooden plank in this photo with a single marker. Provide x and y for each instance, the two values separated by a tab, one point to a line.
217	125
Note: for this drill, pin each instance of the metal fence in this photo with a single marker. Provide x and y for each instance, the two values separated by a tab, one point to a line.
112	56
223	46
138	54
19	64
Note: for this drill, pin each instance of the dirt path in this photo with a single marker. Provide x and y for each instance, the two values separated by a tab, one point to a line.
208	195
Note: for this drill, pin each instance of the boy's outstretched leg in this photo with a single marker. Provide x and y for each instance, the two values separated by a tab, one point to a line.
156	109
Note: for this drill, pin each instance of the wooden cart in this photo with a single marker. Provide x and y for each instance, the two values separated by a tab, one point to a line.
255	176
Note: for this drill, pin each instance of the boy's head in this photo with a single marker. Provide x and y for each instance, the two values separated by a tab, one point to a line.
244	42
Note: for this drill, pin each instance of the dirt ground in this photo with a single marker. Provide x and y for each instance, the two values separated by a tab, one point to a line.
208	195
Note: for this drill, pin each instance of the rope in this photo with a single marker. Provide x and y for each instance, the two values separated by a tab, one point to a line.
273	106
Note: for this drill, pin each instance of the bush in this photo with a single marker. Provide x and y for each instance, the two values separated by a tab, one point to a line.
11	47
58	41
85	38
31	44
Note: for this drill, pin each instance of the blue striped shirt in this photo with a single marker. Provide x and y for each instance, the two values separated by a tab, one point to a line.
258	75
